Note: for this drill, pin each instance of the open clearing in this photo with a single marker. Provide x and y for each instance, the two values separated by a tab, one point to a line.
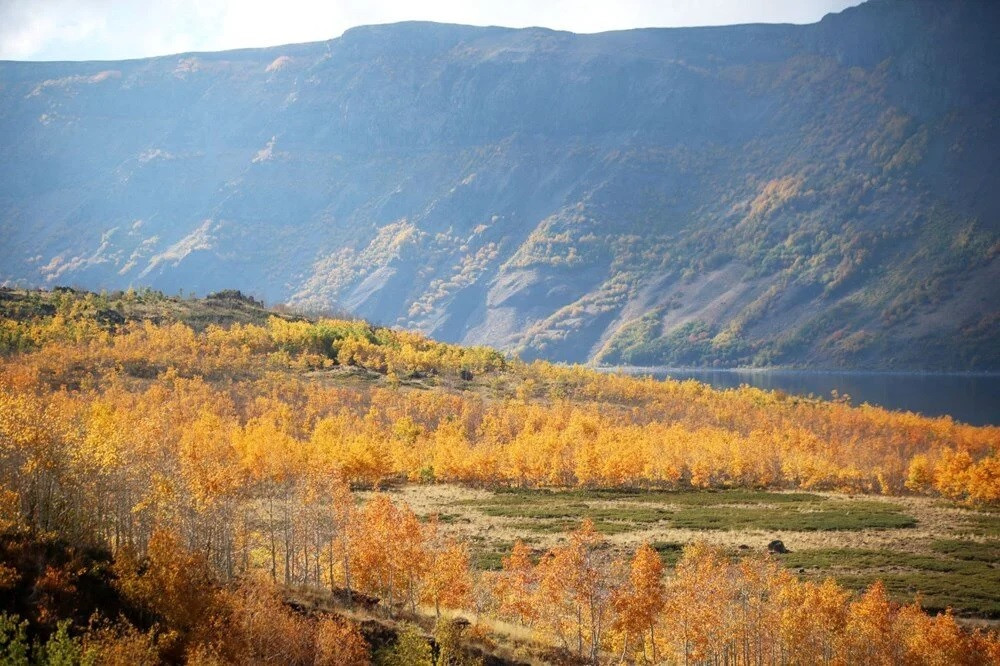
947	553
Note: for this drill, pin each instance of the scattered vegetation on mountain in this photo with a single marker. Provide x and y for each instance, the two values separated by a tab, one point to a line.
821	196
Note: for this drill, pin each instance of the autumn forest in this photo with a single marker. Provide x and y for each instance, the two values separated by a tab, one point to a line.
207	482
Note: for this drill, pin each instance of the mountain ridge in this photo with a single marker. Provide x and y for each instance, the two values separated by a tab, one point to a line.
819	195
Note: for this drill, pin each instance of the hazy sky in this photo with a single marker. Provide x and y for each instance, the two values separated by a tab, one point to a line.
115	29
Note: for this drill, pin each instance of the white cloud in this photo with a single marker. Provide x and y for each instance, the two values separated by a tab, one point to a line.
115	29
26	30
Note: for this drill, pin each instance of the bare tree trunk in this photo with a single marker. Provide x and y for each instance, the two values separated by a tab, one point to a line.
333	586
288	537
274	551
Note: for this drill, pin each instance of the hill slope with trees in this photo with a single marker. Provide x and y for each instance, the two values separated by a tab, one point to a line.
201	482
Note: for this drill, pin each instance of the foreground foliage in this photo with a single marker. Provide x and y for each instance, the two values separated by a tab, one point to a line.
205	459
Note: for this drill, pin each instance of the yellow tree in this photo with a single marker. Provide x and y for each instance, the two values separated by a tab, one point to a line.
389	555
515	585
345	526
698	598
813	617
640	601
575	588
868	634
757	609
371	560
339	643
173	582
448	582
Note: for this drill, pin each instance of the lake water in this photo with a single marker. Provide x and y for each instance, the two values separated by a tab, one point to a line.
972	398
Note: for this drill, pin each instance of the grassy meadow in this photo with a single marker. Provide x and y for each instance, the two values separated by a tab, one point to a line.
946	553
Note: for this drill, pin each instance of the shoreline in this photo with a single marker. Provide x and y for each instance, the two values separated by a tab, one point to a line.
785	370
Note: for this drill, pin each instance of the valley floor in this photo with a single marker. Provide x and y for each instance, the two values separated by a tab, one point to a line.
944	552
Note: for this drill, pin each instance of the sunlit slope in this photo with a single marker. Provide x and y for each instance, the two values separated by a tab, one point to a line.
820	195
383	404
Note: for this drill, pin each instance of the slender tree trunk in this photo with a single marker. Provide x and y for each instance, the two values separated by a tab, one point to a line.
317	555
246	542
274	551
347	569
333	587
288	537
305	557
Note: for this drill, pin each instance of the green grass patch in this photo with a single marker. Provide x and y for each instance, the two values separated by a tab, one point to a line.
488	555
983	524
567	526
975	594
451	518
575	510
708	497
670	551
963	583
968	550
828	516
857	558
621	511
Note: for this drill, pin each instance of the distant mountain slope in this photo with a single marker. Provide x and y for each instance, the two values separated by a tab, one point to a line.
824	195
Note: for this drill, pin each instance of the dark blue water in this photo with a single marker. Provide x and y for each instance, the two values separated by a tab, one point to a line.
972	398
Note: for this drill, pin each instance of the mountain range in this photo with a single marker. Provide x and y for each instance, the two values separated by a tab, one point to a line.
823	195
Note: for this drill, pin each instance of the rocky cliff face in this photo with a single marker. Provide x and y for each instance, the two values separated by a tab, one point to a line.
824	195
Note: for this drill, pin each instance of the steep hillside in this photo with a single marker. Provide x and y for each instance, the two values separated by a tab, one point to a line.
821	195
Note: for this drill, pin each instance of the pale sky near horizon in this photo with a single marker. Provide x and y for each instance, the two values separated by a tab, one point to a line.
119	29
